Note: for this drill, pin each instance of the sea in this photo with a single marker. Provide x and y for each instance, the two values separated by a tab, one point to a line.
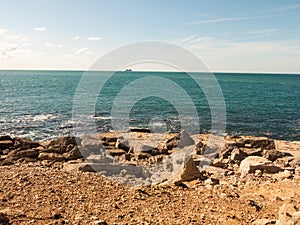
42	105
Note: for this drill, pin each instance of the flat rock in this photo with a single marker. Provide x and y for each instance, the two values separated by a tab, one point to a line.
253	163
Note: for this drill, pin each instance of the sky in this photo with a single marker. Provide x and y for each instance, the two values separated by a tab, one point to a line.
231	35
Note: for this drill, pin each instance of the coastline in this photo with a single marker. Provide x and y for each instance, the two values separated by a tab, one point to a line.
49	182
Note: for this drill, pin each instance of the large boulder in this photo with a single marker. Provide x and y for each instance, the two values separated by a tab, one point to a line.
253	163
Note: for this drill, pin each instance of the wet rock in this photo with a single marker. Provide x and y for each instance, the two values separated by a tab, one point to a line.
252	163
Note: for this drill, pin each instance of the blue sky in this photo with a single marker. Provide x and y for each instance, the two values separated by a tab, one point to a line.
239	35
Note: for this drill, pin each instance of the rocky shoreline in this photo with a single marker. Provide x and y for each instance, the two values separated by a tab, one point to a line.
248	180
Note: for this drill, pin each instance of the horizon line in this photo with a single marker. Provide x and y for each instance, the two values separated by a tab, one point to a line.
161	71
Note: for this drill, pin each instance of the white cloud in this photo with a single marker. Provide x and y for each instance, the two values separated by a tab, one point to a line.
39	29
289	7
217	20
3	31
53	45
83	51
256	56
94	38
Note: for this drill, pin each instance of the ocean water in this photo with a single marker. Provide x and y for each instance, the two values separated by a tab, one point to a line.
40	104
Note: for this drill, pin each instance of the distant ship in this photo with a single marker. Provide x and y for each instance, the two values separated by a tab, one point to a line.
128	70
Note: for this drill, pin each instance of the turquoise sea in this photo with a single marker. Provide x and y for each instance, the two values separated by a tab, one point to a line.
39	104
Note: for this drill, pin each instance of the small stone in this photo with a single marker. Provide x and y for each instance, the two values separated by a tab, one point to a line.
101	222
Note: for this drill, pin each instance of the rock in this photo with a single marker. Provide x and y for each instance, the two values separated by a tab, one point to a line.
201	161
4	220
141	130
238	155
211	181
24	143
253	151
142	155
219	162
200	148
30	153
115	152
226	152
215	171
172	142
185	139
190	172
285	174
284	162
146	149
253	142
273	155
100	222
295	162
289	214
84	167
252	163
53	156
263	222
4	144
75	153
122	144
92	144
297	171
5	138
